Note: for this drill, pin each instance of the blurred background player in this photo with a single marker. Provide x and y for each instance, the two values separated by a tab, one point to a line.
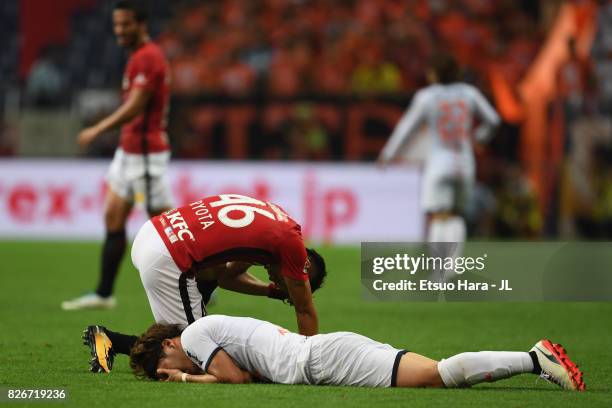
137	170
448	108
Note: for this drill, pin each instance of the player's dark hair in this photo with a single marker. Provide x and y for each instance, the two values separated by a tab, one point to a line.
147	351
317	272
136	7
446	68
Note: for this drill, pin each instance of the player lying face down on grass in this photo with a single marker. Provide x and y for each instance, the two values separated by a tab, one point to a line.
228	349
216	239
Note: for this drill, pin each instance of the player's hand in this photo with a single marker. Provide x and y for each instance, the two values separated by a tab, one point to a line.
275	292
170	374
87	136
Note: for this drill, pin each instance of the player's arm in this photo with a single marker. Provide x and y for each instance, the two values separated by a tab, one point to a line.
305	312
133	106
410	121
219	369
197	342
223	367
236	278
201	378
490	118
176	375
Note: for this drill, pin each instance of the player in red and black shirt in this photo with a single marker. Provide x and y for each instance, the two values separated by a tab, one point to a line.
137	171
185	253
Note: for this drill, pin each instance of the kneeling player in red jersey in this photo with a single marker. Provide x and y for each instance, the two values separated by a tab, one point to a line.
216	239
241	349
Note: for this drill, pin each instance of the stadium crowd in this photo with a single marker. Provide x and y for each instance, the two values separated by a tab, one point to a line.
288	48
290	72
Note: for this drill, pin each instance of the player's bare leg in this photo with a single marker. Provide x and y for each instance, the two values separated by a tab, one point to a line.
416	371
546	359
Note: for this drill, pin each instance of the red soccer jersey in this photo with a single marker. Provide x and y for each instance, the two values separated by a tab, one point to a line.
148	69
232	227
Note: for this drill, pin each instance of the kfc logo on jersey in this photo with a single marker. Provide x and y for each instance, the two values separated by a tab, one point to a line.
178	223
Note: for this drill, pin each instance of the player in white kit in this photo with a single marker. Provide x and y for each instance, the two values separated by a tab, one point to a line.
219	348
448	109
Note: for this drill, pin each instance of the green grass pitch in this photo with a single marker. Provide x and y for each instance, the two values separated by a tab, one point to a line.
40	345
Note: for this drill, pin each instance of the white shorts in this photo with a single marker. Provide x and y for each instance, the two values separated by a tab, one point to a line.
174	298
447	186
126	177
345	358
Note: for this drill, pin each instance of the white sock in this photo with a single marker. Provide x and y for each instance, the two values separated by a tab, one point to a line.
455	232
466	369
446	238
452	229
455	229
437	244
435	232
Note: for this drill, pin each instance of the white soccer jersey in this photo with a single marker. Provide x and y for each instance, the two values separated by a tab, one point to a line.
273	353
259	347
448	111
